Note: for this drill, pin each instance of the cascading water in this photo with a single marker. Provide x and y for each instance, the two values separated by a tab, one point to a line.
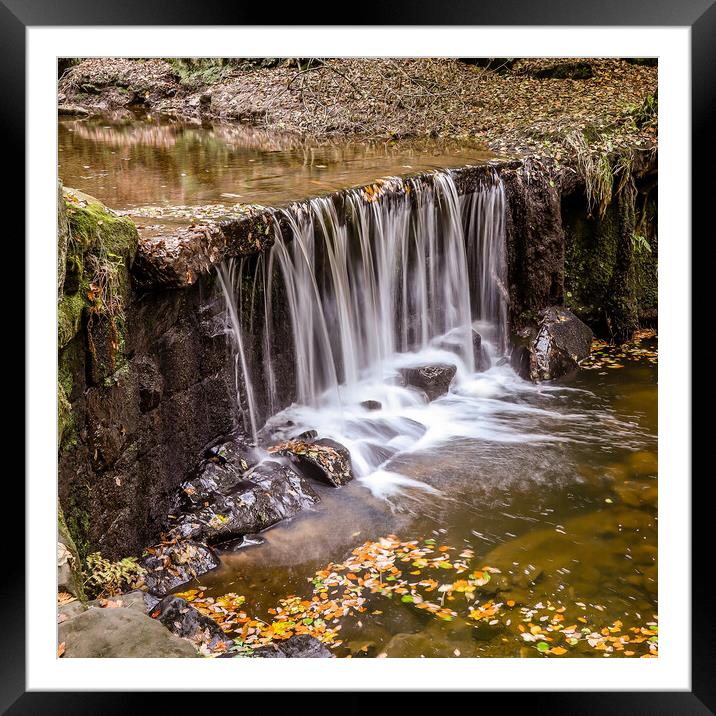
369	282
359	286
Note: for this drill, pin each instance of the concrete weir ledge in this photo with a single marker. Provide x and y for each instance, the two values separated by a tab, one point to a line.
179	257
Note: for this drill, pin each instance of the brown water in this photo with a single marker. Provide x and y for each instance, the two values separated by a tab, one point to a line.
570	524
154	162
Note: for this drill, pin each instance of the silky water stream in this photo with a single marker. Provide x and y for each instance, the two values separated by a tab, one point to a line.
503	518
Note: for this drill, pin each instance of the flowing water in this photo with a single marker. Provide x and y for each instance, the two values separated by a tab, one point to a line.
554	484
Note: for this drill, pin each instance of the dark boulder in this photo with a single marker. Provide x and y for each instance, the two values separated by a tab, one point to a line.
222	504
433	379
182	619
562	341
171	564
301	646
371	404
323	459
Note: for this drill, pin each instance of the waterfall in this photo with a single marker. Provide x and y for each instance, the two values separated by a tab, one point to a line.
360	277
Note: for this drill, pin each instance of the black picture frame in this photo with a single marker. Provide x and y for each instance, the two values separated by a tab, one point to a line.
699	15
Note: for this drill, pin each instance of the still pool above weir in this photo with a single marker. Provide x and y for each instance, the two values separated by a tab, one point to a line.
132	164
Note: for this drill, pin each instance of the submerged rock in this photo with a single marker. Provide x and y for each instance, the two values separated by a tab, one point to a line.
434	379
182	619
371	404
562	341
323	459
120	632
222	504
455	342
173	563
301	646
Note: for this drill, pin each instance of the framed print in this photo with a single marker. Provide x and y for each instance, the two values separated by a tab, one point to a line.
359	343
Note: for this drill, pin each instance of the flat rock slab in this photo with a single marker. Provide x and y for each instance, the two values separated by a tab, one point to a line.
171	564
434	379
120	633
323	459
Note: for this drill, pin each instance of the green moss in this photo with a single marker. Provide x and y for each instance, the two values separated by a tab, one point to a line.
64	412
69	318
78	527
92	223
610	274
66	537
100	254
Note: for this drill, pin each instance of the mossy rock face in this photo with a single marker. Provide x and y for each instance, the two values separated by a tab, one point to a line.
92	223
63	233
64	412
611	265
100	251
70	575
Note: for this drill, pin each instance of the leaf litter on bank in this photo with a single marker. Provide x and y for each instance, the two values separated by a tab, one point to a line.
603	355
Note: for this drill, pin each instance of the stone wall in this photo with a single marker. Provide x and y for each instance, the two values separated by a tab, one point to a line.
138	402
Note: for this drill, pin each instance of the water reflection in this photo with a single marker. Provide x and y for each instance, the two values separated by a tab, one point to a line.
130	163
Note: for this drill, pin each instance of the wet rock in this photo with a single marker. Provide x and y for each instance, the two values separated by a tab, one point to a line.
644	463
379	453
528	575
223	503
455	342
562	341
371	404
323	459
151	384
434	379
70	610
123	633
307	435
637	493
498	583
234	545
174	563
178	259
301	646
182	619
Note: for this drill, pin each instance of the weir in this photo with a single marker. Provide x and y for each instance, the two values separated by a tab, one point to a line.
361	277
